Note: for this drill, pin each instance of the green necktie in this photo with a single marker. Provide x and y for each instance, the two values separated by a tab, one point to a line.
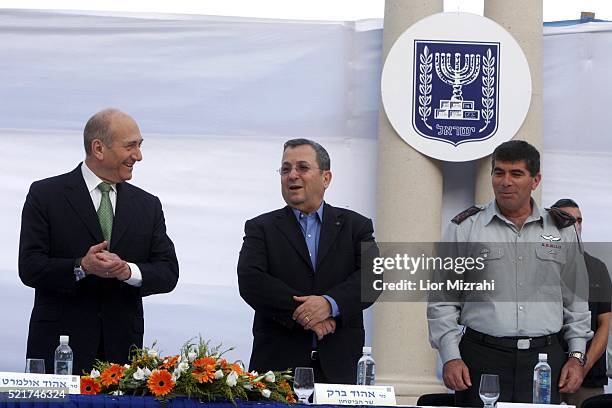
105	212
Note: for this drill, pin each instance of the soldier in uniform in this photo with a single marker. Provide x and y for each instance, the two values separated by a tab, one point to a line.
533	258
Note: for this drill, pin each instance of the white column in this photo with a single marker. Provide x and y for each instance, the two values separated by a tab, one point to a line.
522	19
409	202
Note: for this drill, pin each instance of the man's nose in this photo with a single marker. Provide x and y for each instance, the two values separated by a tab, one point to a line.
507	180
137	156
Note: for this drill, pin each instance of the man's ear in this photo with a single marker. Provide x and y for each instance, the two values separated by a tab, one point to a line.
97	149
536	181
327	176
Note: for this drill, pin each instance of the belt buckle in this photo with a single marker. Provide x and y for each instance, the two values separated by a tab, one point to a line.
314	355
523	344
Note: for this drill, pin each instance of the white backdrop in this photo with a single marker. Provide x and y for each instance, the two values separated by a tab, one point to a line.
215	99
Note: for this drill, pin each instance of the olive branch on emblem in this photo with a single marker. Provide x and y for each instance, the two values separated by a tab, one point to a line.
425	85
488	89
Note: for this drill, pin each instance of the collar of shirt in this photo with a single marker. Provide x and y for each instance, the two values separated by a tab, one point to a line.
92	181
319	213
492	210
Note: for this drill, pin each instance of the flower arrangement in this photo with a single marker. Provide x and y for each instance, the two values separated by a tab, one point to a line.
198	371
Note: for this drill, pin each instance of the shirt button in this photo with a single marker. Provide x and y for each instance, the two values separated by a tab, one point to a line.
520	258
520	283
521	307
309	235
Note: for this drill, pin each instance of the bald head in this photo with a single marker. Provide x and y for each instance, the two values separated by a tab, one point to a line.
100	126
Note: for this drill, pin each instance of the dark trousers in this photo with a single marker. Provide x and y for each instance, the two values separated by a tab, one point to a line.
513	366
319	375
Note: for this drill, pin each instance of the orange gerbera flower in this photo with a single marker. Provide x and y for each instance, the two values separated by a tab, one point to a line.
237	368
89	386
160	383
204	362
204	375
169	362
112	375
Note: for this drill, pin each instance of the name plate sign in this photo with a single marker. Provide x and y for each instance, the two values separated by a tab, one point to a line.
344	394
21	381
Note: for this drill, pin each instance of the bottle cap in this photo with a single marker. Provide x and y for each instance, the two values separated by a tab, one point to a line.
543	357
367	350
64	339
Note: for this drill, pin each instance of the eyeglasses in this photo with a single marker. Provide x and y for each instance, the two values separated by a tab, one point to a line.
300	168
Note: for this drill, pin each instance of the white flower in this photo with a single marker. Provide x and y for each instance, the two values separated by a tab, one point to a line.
176	374
117	392
269	377
151	353
266	393
254	373
192	355
94	373
139	374
147	372
218	374
182	367
126	366
232	379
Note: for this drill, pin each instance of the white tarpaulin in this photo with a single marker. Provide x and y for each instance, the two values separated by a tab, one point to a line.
215	99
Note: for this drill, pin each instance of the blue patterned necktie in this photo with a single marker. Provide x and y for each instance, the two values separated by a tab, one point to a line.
105	212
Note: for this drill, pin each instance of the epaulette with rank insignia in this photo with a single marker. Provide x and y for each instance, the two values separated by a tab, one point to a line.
561	218
464	215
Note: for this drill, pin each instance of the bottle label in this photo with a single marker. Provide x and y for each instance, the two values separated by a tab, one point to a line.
63	367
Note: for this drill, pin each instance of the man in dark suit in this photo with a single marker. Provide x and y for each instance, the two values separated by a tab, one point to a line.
299	268
92	246
595	377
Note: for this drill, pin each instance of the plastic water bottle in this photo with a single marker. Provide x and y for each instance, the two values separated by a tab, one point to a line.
366	368
63	357
541	381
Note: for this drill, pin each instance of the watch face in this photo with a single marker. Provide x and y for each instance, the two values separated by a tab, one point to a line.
79	273
579	356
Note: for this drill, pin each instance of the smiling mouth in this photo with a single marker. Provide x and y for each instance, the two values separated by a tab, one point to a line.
294	188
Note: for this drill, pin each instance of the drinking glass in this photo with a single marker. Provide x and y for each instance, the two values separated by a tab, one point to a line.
303	383
35	365
489	389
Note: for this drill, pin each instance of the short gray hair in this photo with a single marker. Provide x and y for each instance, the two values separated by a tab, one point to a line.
322	156
99	127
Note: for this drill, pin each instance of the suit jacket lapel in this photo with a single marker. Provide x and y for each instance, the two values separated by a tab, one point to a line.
332	223
79	198
289	227
124	213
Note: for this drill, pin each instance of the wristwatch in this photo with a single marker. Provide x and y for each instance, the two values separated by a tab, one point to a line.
79	272
579	356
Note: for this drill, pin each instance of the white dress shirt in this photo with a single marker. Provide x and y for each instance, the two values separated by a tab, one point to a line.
92	181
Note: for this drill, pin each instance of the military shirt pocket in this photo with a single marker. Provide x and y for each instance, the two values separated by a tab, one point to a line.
546	254
547	270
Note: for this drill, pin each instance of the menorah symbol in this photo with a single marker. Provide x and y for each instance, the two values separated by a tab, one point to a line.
457	77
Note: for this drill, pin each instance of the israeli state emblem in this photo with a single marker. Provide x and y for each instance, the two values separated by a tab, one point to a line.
455	91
